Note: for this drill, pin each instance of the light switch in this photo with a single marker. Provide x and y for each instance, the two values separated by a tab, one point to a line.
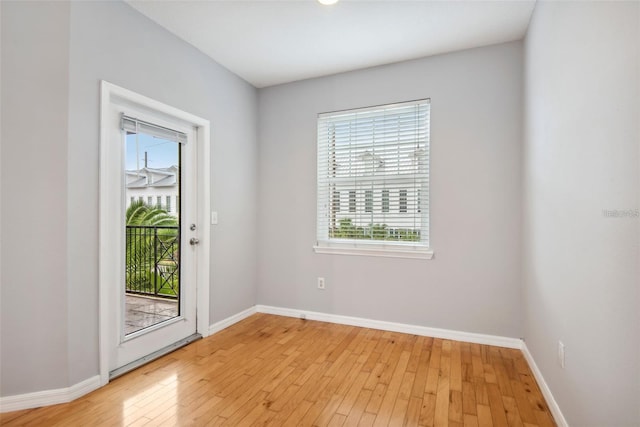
214	217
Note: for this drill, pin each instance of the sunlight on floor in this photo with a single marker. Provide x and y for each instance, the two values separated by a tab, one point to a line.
161	397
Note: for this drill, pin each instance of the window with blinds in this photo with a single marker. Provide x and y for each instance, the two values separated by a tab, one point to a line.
373	179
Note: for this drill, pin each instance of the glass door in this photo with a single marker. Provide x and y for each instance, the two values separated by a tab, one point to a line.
152	231
156	295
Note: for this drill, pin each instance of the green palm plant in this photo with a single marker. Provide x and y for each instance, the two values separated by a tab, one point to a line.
139	213
144	243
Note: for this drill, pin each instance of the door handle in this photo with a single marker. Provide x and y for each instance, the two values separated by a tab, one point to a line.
194	241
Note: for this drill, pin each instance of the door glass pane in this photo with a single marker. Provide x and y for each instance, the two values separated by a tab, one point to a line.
152	244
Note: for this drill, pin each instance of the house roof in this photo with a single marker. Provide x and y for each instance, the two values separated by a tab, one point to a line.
151	177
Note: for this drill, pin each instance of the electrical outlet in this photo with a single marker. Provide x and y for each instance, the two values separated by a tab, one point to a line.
561	354
320	282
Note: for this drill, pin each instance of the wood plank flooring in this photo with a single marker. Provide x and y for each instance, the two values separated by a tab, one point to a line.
278	371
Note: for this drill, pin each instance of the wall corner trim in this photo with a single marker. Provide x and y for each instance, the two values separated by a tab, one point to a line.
395	327
49	397
546	391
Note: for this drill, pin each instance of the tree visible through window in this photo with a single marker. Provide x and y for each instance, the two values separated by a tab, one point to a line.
379	157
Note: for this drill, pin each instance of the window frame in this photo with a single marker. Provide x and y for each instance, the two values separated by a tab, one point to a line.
326	244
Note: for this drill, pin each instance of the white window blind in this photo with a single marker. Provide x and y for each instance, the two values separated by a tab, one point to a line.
133	125
373	177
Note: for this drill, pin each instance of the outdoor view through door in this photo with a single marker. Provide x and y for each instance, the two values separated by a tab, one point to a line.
152	218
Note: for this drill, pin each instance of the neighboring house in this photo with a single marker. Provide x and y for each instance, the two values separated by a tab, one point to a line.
383	195
154	186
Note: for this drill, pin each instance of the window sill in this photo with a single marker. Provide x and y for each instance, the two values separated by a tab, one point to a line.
410	252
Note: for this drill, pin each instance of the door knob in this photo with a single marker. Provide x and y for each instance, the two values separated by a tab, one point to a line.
194	241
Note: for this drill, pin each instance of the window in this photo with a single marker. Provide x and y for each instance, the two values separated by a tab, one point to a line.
379	156
352	201
159	201
168	207
336	201
385	201
368	201
402	201
150	201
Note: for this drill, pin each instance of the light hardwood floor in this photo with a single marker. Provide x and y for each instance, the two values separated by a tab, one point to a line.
271	370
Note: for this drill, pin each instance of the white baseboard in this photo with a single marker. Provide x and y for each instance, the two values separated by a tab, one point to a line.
64	395
225	323
430	332
49	397
395	327
546	391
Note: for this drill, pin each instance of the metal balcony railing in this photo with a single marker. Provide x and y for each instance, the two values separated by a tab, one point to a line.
152	260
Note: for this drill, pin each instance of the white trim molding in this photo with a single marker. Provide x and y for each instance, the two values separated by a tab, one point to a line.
389	252
449	334
49	397
231	320
544	387
395	327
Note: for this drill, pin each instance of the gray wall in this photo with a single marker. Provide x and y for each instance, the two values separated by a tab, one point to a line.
35	66
473	283
581	130
50	152
581	275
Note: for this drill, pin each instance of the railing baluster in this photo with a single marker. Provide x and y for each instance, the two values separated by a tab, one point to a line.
155	261
139	264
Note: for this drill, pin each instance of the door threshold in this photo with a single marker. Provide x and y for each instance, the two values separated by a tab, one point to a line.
153	356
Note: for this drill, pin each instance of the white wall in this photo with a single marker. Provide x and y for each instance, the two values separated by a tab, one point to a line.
53	58
473	283
581	272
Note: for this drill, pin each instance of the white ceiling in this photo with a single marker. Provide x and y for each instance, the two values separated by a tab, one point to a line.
272	42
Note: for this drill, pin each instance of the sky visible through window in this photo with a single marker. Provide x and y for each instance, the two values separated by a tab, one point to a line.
161	153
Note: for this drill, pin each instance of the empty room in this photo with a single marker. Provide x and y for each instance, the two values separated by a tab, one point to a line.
320	213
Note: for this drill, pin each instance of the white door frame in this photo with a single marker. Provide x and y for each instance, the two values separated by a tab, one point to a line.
108	242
